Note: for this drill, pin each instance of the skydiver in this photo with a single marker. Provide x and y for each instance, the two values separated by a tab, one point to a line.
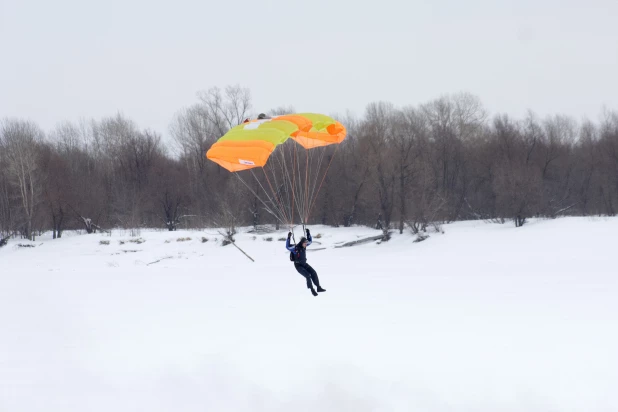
299	252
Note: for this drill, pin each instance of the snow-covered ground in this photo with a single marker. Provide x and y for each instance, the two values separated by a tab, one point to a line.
484	317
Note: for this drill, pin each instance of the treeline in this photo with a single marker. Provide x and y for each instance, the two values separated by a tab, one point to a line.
398	168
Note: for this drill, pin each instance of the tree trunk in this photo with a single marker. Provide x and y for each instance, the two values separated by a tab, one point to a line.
402	201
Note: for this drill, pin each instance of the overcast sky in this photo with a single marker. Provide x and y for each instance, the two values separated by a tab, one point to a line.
66	59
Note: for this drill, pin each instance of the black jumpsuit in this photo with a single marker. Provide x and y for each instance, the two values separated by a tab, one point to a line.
301	265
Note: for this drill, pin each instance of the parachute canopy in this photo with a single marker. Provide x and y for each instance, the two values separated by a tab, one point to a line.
250	144
291	178
324	131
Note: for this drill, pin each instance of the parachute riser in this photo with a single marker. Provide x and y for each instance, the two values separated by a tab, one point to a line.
304	230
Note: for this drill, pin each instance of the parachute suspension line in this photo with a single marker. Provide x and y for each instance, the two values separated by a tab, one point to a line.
307	193
278	192
281	161
289	181
323	178
302	193
309	154
293	185
298	191
313	193
281	212
306	197
276	196
268	209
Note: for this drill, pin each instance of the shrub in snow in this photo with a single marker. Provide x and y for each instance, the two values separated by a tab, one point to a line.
104	242
282	239
225	242
204	239
268	239
183	239
417	227
420	237
138	241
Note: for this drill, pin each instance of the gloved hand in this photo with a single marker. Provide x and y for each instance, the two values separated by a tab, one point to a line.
307	230
289	235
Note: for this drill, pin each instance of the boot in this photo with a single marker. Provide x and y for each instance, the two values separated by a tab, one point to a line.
320	289
313	292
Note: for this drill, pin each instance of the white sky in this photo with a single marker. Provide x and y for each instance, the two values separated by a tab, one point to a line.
66	59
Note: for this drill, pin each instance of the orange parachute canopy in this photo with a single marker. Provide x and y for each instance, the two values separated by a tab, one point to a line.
250	144
324	131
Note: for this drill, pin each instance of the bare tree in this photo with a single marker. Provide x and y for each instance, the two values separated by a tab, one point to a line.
232	202
453	121
64	164
517	179
585	157
281	110
427	203
410	128
556	161
349	175
7	218
55	188
227	109
193	134
19	141
608	143
377	132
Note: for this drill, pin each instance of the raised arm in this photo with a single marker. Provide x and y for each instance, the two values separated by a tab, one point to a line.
289	246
